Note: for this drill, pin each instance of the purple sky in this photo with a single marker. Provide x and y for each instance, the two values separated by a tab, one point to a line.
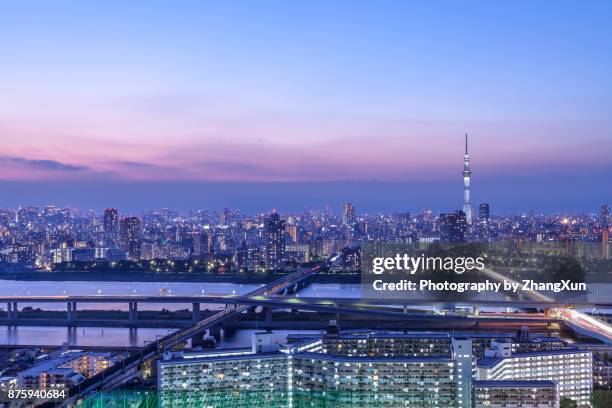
312	91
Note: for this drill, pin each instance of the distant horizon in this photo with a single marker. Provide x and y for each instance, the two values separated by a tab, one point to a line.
503	196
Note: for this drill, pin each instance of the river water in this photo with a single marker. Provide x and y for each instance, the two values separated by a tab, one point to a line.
123	337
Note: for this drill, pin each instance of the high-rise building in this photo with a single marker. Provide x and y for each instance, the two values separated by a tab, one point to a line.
242	255
353	369
570	369
484	214
297	252
111	221
201	244
467	207
328	370
226	217
131	236
254	259
605	215
453	227
275	242
462	354
348	214
292	230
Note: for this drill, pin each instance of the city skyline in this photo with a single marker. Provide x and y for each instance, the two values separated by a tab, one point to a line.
291	196
338	212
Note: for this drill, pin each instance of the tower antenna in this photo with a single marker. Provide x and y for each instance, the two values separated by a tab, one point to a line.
467	208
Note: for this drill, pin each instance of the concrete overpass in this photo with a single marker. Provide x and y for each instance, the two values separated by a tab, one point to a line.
373	308
128	368
578	321
307	303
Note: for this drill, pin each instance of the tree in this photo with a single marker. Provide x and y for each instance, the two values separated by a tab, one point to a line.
568	403
602	398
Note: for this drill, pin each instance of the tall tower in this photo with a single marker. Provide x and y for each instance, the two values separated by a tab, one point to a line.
467	208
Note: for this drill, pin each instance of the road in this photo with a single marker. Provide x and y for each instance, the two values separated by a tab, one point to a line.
579	321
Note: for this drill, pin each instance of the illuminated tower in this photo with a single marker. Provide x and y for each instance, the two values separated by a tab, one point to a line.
467	208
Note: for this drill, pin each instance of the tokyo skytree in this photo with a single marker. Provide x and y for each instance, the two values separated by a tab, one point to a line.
467	208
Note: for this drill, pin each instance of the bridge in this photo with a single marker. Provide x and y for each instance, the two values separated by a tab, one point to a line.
251	298
317	304
127	368
578	321
340	305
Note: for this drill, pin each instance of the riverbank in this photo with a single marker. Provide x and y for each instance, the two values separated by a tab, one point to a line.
128	276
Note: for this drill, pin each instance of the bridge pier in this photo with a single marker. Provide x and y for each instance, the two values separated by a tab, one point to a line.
476	311
197	340
11	311
215	332
71	311
133	335
195	307
405	308
133	311
72	335
268	311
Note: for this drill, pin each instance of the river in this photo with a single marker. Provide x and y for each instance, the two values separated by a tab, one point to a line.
123	337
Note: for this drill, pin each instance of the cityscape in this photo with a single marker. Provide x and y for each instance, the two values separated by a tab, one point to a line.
53	239
62	239
529	351
306	204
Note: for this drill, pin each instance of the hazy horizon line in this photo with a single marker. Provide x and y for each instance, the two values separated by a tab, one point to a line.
565	195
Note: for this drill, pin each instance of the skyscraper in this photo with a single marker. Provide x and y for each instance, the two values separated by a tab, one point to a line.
111	222
292	230
348	214
484	212
130	236
605	215
453	227
467	208
200	245
242	255
275	242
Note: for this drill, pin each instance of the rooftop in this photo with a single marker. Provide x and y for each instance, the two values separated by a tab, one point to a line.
489	362
515	384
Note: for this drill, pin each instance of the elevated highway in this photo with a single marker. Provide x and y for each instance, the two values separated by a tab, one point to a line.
128	368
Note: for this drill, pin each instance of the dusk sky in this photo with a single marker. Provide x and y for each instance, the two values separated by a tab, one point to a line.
147	93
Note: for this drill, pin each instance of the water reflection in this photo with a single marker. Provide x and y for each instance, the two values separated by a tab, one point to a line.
79	336
87	288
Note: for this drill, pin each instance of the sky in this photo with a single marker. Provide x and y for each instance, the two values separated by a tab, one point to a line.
363	98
